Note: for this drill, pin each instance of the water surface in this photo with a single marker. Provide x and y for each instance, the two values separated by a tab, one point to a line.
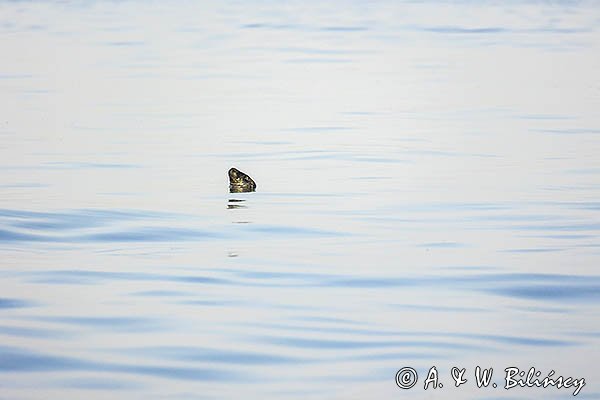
428	183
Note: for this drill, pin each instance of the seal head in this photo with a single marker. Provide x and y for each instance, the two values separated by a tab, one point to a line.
240	182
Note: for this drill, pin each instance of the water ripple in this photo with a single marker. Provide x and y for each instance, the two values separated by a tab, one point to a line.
338	344
113	324
198	354
38	333
461	30
95	277
6	303
374	333
113	226
13	359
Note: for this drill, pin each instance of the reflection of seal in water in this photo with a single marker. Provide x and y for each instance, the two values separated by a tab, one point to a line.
232	204
240	182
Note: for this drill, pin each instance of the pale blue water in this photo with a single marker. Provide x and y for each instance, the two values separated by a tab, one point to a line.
428	195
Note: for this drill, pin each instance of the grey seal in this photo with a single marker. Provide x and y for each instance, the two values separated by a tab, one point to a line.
240	182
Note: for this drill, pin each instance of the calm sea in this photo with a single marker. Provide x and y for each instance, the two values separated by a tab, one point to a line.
428	195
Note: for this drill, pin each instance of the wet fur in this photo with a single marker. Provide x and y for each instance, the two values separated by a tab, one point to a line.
240	182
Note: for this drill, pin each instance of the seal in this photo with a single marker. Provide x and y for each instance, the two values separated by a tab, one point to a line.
240	182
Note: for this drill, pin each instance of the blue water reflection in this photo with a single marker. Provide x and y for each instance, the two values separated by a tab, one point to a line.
546	287
427	177
22	360
14	303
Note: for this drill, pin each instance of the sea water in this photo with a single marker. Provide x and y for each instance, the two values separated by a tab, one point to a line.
428	185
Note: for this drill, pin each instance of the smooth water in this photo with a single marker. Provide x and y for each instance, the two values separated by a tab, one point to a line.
428	195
